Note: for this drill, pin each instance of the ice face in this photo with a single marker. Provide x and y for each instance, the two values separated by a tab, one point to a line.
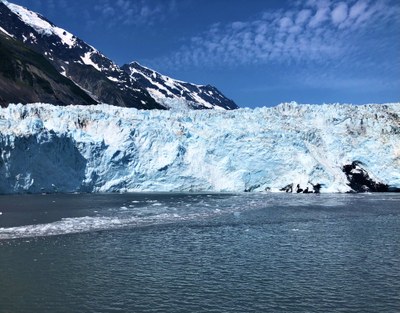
102	148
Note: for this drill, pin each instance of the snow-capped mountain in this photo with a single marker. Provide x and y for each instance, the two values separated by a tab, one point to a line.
72	57
291	147
171	92
87	67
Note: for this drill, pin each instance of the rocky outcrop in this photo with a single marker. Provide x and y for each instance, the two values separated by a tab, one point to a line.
26	76
360	181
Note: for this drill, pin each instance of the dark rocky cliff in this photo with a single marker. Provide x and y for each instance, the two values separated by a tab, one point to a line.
26	76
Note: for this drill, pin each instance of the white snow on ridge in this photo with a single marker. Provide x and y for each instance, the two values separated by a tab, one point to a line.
104	148
6	32
167	96
171	81
40	25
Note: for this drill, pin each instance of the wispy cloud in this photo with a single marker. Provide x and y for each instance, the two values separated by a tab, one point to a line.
126	12
109	13
313	30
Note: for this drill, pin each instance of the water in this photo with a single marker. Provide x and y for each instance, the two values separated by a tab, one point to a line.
200	253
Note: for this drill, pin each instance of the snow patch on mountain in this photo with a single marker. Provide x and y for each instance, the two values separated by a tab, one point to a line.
88	61
44	148
41	25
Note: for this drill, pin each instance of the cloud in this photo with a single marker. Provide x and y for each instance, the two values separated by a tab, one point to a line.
320	16
339	13
141	12
109	13
312	31
302	17
358	9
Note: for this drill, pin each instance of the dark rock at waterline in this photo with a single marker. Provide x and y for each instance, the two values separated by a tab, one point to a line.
315	188
298	189
360	181
287	188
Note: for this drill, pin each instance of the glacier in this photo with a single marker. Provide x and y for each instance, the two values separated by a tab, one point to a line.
103	148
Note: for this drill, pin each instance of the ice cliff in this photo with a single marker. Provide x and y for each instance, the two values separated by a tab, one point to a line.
44	148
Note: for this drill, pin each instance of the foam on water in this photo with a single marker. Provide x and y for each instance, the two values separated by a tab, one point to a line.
153	212
178	208
89	224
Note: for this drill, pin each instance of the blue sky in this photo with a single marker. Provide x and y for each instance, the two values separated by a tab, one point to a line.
257	52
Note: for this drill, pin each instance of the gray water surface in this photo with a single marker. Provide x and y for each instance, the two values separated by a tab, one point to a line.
200	253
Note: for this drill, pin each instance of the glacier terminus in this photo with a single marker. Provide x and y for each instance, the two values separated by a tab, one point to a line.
103	148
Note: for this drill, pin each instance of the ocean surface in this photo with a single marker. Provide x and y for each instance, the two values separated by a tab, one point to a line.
147	252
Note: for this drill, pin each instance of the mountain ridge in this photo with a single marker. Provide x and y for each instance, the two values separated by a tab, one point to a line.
164	88
91	70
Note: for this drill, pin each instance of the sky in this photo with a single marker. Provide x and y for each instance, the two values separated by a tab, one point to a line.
257	52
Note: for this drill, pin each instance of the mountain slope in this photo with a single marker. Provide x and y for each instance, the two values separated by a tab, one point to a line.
331	148
27	76
80	62
170	91
98	75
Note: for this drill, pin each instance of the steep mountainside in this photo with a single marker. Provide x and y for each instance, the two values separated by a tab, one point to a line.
26	76
94	72
292	148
